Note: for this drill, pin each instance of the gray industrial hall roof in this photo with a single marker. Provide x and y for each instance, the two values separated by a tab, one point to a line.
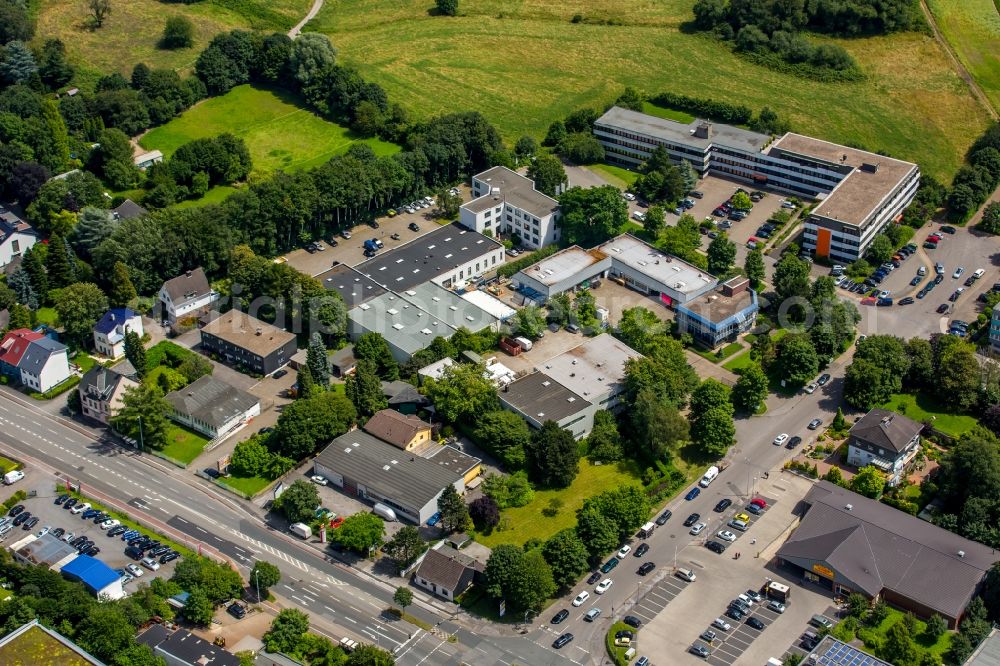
47	550
514	189
877	547
542	398
401	323
354	287
407	479
211	401
448	307
427	257
592	368
683	133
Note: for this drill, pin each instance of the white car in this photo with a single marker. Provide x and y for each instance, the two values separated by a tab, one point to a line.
42	532
135	570
776	606
79	508
109	523
958	272
639	215
604	586
150	563
780	439
321	480
726	535
629	196
810	389
346	234
581	598
623	551
698	529
719	623
787	204
979	273
885	293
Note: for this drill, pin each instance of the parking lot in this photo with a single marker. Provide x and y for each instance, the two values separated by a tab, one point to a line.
656	599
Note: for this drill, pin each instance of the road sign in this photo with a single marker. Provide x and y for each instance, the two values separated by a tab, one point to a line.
503	607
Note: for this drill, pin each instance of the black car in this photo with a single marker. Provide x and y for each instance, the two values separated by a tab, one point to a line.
237	611
938	279
31	522
594	577
70	503
115	531
133	553
211	472
716	547
823	379
793	442
642	549
609	565
62	498
645	568
941	309
100	518
169	557
735	614
560	616
374	224
632	621
16	510
58	532
21	519
906	301
755	623
948	229
664	517
77	541
156	552
723	504
625	633
692	519
412	226
562	641
92	551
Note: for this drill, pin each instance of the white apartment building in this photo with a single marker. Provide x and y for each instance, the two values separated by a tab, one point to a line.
507	202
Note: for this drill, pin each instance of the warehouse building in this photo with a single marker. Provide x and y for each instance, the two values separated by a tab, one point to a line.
366	467
508	203
720	316
354	287
594	370
449	307
538	398
99	579
566	270
850	543
859	192
449	256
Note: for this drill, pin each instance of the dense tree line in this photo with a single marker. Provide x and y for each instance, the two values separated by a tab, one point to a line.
979	176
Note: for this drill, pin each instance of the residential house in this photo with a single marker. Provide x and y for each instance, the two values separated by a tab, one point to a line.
148	159
212	407
16	236
247	342
404	397
506	202
885	439
406	432
109	332
187	295
44	365
101	391
182	648
127	210
447	573
12	348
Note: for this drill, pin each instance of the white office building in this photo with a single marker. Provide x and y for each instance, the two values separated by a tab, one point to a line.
505	202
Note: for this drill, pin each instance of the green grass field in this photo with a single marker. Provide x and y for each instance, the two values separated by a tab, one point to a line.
615	175
249	486
130	34
923	408
215	195
279	133
528	522
183	445
525	64
972	27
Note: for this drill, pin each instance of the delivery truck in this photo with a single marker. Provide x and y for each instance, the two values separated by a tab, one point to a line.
300	530
13	477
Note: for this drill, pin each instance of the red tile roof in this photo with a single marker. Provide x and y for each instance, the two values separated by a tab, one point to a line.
15	343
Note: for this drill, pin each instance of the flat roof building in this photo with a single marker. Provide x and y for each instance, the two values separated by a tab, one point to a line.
449	256
354	287
854	544
859	192
721	315
490	304
247	342
45	550
594	369
365	466
182	648
538	398
100	579
32	644
449	307
506	202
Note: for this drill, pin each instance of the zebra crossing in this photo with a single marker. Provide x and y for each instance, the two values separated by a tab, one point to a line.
299	564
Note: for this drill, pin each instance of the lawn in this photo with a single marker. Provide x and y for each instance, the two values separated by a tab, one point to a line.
215	195
279	132
47	316
524	65
715	356
7	465
248	486
938	648
922	408
156	354
972	27
738	363
615	175
131	33
183	445
528	522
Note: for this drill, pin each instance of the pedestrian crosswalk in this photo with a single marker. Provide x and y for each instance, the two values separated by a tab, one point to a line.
272	551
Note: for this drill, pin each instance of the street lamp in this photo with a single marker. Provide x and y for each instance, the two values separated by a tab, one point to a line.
141	446
256	578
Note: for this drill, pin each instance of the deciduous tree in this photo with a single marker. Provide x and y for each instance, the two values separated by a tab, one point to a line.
264	576
553	458
360	532
596	531
462	392
485	513
548	173
751	389
178	33
136	353
567	556
121	292
99	11
721	255
796	359
373	347
869	481
298	502
447	7
505	435
403	597
405	546
453	510
143	416
287	630
714	431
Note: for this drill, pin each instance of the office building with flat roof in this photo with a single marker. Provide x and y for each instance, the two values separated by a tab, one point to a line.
859	192
507	202
594	369
721	315
538	398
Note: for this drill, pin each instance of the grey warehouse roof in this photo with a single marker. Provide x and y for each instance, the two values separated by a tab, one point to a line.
448	307
683	133
542	398
211	401
877	547
427	257
592	368
401	323
407	479
666	269
354	287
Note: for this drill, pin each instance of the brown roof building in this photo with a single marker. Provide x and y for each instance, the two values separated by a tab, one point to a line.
447	572
854	544
248	343
406	432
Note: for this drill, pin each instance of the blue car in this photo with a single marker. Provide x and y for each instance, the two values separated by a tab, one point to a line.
433	520
694	492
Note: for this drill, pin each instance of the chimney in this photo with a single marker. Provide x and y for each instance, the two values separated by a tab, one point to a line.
961	553
848	507
702	130
259	331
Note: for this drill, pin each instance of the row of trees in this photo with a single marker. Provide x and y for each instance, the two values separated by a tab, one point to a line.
289	634
979	176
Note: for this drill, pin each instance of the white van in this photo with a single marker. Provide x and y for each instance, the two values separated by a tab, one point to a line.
646	530
710	475
13	477
686	574
524	342
300	530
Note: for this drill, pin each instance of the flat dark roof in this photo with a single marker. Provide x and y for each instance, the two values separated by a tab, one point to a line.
354	287
426	257
542	398
715	306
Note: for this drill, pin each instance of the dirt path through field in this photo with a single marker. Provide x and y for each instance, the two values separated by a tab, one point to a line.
959	67
316	6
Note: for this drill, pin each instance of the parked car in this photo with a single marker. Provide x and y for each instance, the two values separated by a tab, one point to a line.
701	650
755	623
776	606
697	529
624	550
692	519
632	621
604	586
719	623
581	598
662	519
780	439
134	570
694	492
560	616
793	442
609	565
716	547
723	504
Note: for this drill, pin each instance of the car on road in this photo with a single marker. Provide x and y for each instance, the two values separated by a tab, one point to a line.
642	549
562	641
823	379
719	623
592	614
645	568
624	550
632	621
811	388
780	439
755	623
726	535
716	547
594	577
692	519
664	517
697	529
793	442
560	616
604	586
958	272
694	492
134	570
723	504
776	606
610	564
701	650
581	598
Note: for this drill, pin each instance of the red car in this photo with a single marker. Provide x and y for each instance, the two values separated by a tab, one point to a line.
336	522
759	502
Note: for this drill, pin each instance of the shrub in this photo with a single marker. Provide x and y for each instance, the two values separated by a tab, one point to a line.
178	33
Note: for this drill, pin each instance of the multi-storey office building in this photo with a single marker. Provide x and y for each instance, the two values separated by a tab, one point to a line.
507	202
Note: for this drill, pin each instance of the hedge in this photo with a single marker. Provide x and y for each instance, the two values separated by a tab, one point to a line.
512	267
735	114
